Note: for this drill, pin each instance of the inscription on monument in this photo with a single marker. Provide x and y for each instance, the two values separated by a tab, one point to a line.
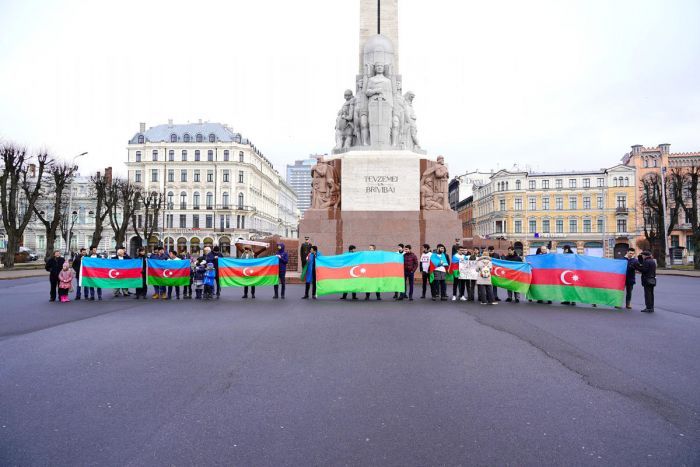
381	183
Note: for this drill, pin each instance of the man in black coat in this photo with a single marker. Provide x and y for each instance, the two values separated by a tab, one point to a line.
647	266
494	255
513	256
630	280
76	267
54	266
304	251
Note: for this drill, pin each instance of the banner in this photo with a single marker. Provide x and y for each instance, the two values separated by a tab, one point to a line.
511	275
111	273
168	272
575	278
365	271
238	272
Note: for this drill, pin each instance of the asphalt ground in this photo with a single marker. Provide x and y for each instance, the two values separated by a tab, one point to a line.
330	382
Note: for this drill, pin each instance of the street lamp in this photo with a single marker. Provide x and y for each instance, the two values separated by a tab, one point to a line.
70	204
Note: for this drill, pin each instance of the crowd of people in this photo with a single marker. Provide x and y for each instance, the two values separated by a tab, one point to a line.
470	271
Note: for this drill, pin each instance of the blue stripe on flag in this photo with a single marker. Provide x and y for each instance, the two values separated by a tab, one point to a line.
361	257
578	262
111	263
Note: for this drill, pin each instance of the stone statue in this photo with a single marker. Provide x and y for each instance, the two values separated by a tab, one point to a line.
434	186
344	122
361	113
412	129
398	125
324	186
381	103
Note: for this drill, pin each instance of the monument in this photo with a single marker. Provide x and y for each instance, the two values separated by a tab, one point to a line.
379	186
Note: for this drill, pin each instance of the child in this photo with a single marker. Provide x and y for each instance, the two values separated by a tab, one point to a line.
483	281
65	282
199	271
209	281
188	288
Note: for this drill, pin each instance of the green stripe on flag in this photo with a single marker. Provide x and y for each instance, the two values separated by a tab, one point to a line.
168	281
510	284
360	284
592	295
111	283
249	281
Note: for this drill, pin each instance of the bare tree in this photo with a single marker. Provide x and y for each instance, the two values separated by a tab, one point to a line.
20	188
123	203
60	176
151	206
655	229
685	196
102	187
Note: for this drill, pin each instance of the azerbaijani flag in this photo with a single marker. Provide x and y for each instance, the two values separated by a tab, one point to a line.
577	278
365	271
435	263
453	270
241	272
168	272
111	273
511	275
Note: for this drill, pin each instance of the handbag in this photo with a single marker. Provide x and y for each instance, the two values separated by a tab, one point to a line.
651	281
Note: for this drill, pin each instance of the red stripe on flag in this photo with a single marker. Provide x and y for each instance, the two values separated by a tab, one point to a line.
578	278
108	273
254	271
158	272
510	274
371	271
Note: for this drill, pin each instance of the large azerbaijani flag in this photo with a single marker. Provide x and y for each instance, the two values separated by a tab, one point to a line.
239	272
168	272
511	275
111	273
576	278
365	271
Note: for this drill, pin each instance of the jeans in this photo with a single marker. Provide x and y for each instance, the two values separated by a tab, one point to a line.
628	294
252	291
486	293
511	293
91	290
649	297
408	279
470	284
439	288
426	282
283	283
379	296
458	287
177	291
495	293
311	285
54	285
77	291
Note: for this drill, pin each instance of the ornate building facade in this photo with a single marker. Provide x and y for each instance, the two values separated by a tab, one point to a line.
218	186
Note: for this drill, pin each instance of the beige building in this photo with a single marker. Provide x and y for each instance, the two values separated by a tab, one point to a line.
218	186
592	211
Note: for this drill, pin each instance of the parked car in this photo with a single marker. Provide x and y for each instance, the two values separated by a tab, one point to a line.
30	255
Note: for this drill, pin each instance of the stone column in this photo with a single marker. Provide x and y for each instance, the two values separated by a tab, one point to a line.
389	22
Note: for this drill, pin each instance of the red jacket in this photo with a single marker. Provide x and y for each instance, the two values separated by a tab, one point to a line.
410	263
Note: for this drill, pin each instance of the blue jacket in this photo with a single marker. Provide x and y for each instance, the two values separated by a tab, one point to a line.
284	259
310	268
630	279
210	277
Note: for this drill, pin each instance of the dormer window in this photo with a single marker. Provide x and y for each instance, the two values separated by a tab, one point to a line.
186	138
141	139
212	138
173	138
199	137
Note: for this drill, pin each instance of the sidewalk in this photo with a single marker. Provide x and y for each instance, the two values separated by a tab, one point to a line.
21	273
677	272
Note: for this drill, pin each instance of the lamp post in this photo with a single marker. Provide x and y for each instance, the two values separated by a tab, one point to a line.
70	204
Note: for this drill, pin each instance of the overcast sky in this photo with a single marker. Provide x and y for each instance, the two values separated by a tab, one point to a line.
548	84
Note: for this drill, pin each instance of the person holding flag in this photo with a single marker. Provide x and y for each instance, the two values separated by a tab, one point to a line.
121	255
470	274
283	260
438	273
483	280
142	291
425	267
513	296
410	264
172	256
310	276
351	249
458	272
378	294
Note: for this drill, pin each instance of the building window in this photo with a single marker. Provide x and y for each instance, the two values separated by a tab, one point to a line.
155	155
240	156
173	138
209	219
210	155
601	182
500	227
186	138
169	221
195	221
226	153
171	156
183	221
195	200
212	138
138	156
545	225
600	202
587	226
622	225
171	175
586	202
533	184
518	204
196	176
240	201
224	200
240	176
199	137
621	201
654	162
532	201
545	184
139	221
183	200
600	225
559	203
572	183
558	183
154	175
573	225
137	176
545	203
196	155
502	205
210	176
533	225
518	226
517	184
210	200
627	181
615	181
183	175
141	139
573	202
586	182
560	226
184	155
225	176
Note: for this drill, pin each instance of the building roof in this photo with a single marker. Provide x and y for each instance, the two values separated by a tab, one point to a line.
162	133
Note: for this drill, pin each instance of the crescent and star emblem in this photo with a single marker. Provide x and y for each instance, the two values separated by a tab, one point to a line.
574	277
352	271
167	273
113	271
245	273
499	271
